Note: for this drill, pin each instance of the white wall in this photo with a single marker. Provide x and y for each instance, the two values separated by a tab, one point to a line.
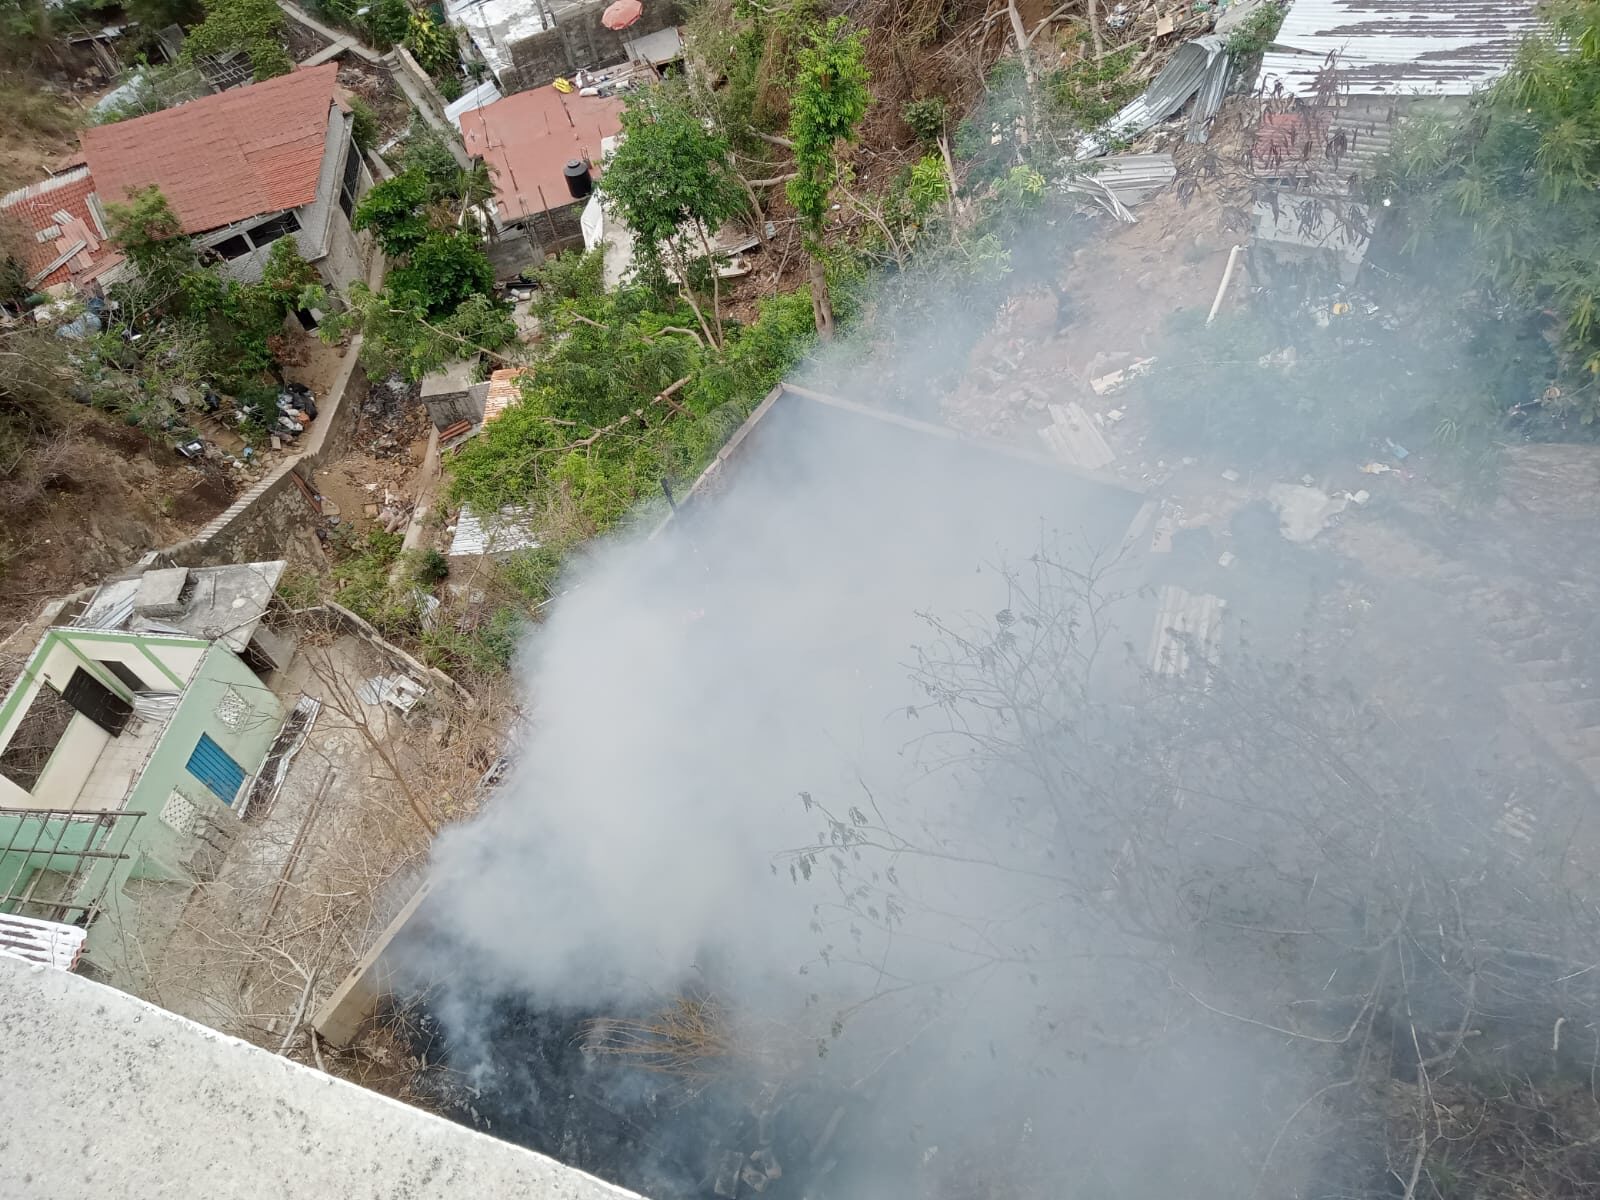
179	659
75	757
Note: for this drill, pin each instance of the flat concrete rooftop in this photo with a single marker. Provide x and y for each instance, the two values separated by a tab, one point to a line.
106	1095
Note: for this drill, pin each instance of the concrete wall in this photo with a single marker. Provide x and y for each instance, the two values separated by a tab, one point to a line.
578	40
107	1095
270	519
69	767
158	851
160	660
315	217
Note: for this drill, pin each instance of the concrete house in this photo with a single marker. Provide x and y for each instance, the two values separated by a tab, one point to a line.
128	743
527	44
527	140
245	167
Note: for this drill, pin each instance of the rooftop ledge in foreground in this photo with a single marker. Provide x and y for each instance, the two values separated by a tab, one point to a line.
106	1095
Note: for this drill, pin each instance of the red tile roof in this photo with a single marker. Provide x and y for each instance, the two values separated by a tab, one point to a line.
35	208
527	139
504	391
222	158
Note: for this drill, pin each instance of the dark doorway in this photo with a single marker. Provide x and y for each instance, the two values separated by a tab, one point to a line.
97	702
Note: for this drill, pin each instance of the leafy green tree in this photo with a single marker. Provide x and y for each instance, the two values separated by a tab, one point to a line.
151	237
672	184
254	26
393	211
432	45
389	21
402	339
826	105
363	124
1505	199
442	272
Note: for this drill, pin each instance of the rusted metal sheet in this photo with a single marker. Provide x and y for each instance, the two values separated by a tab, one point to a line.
1380	48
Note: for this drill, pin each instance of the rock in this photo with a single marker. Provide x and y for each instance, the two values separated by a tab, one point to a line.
1035	314
726	1181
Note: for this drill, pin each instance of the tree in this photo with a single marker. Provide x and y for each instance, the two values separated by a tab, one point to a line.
673	186
253	26
150	235
1512	183
392	210
432	45
826	105
442	273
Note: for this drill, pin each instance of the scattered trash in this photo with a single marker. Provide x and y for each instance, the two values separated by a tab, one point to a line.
1303	512
397	691
1360	497
1377	468
1116	379
1114	415
1231	475
1075	438
1396	449
1228	559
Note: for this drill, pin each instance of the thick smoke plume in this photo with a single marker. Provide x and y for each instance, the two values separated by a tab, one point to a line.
863	755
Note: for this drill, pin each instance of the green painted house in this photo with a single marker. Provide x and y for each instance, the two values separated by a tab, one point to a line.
129	743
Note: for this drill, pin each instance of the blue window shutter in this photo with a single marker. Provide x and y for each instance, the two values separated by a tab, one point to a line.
212	766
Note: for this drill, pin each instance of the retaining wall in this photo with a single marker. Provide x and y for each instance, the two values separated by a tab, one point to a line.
269	520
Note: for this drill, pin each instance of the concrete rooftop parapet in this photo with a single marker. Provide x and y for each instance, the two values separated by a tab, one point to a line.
106	1095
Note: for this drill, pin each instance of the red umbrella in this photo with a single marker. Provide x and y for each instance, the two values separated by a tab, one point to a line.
622	14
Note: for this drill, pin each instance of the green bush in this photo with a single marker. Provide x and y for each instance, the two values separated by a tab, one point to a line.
363	123
428	567
925	118
1254	37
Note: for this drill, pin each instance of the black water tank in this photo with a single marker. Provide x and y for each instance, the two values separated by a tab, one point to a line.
578	181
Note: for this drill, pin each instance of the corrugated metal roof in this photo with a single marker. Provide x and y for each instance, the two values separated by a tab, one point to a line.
1188	632
528	138
1385	48
1332	144
1198	66
508	530
1132	177
1074	438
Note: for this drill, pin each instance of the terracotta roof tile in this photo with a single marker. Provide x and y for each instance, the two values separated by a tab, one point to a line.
504	391
34	209
222	158
527	139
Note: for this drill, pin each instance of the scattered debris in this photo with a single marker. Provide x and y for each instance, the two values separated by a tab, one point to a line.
1116	379
1188	632
1228	559
1201	66
1231	475
397	691
1075	439
1303	512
